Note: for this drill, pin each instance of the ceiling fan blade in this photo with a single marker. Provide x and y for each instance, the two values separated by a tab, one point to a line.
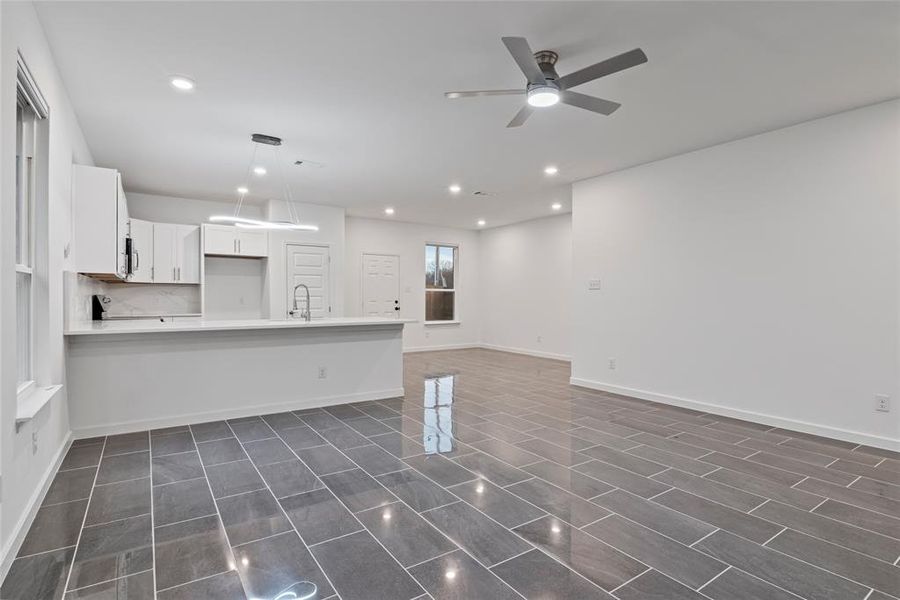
597	105
609	66
477	93
521	116
524	57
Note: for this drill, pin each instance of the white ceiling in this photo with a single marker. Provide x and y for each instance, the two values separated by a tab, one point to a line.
359	87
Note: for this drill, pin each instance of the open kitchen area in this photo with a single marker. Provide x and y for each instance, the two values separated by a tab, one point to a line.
163	312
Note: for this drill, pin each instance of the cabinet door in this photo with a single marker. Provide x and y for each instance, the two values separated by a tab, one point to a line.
164	253
219	239
121	228
252	243
187	253
142	247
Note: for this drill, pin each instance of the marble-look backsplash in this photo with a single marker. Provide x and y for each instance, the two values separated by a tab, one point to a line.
129	299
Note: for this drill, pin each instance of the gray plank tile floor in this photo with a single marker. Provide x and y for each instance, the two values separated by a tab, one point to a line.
492	478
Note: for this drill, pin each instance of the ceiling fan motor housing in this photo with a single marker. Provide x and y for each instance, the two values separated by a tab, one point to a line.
546	60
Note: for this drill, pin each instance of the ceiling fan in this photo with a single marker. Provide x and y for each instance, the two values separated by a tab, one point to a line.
546	88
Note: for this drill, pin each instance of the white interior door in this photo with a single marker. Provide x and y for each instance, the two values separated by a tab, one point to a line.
381	285
310	265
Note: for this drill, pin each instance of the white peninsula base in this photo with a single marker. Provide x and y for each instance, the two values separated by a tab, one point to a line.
132	376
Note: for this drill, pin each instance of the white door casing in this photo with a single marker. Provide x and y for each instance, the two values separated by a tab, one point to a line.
381	285
311	265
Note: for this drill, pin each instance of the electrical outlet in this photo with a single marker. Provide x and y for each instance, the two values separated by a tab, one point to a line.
882	403
612	364
593	284
34	442
323	372
540	339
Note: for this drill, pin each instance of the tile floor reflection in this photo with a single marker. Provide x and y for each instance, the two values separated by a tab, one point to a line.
492	478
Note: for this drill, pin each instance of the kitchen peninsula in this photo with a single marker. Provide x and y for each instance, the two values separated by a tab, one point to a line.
131	375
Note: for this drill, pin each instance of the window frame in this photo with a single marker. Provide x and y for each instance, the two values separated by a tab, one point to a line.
30	103
454	290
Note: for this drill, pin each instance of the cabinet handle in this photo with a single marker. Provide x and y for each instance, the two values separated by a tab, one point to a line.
239	246
234	245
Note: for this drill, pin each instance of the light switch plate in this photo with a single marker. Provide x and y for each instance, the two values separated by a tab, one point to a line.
593	284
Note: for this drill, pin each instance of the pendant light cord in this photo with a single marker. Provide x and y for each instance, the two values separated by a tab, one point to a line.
240	202
288	197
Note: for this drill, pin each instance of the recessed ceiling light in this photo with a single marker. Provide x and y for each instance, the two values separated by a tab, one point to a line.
455	188
450	574
242	190
389	211
556	206
551	170
181	83
259	170
482	222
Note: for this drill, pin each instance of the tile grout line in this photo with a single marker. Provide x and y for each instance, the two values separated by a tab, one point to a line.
728	567
621	585
233	563
87	509
695	542
765	544
152	506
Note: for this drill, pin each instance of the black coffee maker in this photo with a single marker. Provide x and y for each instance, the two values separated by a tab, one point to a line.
99	304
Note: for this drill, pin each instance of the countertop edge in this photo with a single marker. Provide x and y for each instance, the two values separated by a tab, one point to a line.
235	326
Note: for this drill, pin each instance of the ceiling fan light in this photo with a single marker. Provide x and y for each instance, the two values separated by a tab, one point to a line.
542	96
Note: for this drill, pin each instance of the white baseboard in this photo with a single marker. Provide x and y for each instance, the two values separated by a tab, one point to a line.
480	345
236	413
527	352
725	411
441	347
20	530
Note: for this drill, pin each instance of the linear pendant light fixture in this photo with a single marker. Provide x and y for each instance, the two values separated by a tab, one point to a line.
236	219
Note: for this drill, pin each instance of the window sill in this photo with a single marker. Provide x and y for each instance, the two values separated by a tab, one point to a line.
430	323
31	402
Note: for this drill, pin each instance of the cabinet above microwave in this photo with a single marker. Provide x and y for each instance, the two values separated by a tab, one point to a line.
100	223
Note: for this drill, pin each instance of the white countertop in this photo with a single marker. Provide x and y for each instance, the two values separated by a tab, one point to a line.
184	324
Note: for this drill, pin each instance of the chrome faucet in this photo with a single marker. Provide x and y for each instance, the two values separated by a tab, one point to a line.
303	314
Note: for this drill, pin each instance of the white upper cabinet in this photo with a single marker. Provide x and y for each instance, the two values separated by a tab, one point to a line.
142	250
164	269
100	221
227	240
176	253
219	239
187	253
252	243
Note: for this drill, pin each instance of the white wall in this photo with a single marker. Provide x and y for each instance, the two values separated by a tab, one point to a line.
525	286
407	240
758	276
25	466
187	211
